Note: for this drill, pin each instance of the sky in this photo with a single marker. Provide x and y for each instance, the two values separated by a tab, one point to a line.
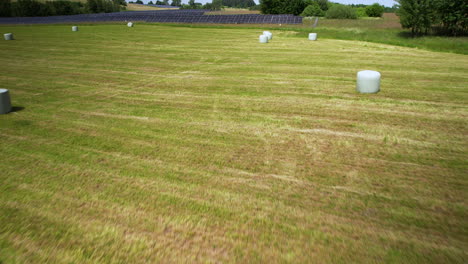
388	3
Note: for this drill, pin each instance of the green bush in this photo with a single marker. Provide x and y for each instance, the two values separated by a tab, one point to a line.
313	10
338	11
375	10
361	12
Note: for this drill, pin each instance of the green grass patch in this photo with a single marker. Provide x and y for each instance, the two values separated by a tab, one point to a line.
198	144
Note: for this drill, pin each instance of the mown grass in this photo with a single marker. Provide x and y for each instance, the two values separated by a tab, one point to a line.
386	30
179	144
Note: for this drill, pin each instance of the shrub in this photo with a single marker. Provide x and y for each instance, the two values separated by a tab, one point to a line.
338	11
375	10
313	10
361	12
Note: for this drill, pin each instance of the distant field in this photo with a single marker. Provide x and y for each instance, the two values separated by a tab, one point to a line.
232	11
177	144
136	7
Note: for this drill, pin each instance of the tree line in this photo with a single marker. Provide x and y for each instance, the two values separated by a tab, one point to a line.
28	8
448	17
320	8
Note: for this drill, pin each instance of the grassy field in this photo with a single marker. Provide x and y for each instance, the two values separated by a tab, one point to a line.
178	144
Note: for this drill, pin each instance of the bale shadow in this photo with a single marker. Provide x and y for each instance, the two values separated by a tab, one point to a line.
15	109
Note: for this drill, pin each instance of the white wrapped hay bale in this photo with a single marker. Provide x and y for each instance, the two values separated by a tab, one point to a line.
74	28
312	36
368	81
5	103
129	24
8	36
268	34
263	39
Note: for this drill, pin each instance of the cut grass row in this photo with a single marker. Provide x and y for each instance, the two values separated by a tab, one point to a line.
182	144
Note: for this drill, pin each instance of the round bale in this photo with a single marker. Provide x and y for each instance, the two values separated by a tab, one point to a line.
368	81
263	39
5	103
8	36
268	34
312	36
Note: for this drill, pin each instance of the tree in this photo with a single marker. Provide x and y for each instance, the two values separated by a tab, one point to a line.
416	15
192	4
324	4
239	3
294	7
176	3
375	10
5	8
453	16
313	10
166	2
216	5
150	3
338	11
139	2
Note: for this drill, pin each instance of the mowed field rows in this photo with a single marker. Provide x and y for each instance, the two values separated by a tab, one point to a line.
177	145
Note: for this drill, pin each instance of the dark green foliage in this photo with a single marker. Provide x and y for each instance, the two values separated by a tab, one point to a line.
417	15
29	8
139	2
66	7
239	3
375	10
176	3
338	11
453	16
216	5
150	3
103	6
5	8
294	7
323	4
313	10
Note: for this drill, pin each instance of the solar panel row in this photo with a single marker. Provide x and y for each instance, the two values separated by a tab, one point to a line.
170	16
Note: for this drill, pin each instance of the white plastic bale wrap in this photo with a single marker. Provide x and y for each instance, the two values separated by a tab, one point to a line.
263	39
8	36
5	103
74	28
368	81
130	24
268	34
312	36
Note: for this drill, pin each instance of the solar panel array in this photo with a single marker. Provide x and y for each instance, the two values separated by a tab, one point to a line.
162	16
